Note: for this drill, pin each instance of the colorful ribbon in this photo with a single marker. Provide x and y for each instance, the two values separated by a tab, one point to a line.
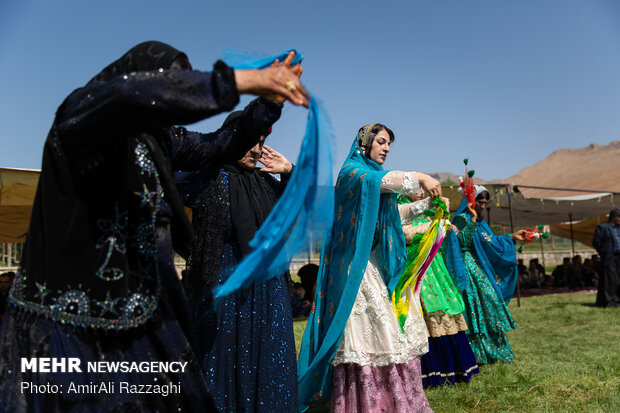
420	254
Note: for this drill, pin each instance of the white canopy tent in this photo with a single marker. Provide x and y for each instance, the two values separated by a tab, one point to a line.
18	186
533	211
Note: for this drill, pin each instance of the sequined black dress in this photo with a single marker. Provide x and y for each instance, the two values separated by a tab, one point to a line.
97	281
247	338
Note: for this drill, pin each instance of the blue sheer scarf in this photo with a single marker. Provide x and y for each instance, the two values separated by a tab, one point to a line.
361	214
305	210
451	251
497	256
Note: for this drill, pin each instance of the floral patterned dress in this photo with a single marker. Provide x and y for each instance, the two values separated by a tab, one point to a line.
486	314
450	358
377	367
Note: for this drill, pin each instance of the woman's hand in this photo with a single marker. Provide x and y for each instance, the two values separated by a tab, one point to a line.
519	235
298	70
279	82
274	162
472	211
446	201
429	184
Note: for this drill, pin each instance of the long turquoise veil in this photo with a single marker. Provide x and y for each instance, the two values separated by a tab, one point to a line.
305	210
362	217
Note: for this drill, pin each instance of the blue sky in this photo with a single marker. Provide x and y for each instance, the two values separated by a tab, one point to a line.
503	82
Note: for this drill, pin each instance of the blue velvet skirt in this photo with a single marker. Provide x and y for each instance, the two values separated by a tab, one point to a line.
448	361
250	359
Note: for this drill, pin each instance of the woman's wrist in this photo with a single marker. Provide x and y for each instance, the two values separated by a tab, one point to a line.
287	170
246	80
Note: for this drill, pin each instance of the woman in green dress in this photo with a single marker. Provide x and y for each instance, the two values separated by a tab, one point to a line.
490	263
450	358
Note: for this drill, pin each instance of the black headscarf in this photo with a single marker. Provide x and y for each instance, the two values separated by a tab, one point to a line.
150	55
147	56
91	256
250	199
250	203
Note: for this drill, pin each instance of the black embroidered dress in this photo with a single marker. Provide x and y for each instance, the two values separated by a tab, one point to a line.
97	281
247	337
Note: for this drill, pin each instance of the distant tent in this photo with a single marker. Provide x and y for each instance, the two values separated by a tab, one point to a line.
17	189
533	211
584	211
582	231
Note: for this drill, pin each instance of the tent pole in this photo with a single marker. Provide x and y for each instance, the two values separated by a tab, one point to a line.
542	252
572	238
489	216
512	230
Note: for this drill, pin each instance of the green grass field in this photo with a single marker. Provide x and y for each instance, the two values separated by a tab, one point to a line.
567	359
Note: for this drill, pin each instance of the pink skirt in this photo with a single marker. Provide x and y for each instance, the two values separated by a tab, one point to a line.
392	388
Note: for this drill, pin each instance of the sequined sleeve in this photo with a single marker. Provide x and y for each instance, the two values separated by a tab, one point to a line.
106	110
194	150
467	228
399	182
409	211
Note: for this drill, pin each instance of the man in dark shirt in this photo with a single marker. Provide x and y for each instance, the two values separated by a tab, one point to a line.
607	243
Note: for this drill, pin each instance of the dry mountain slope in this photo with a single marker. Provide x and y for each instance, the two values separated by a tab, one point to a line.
595	167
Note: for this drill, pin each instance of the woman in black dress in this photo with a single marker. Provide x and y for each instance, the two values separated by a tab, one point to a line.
97	281
246	338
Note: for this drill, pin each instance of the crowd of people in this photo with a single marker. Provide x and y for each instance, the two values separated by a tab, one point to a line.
572	273
97	280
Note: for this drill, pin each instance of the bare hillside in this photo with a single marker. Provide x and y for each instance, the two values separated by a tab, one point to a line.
595	167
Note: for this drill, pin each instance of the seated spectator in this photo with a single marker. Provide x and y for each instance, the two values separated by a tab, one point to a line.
6	279
523	273
575	277
588	274
308	274
561	273
537	273
300	307
541	269
583	274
